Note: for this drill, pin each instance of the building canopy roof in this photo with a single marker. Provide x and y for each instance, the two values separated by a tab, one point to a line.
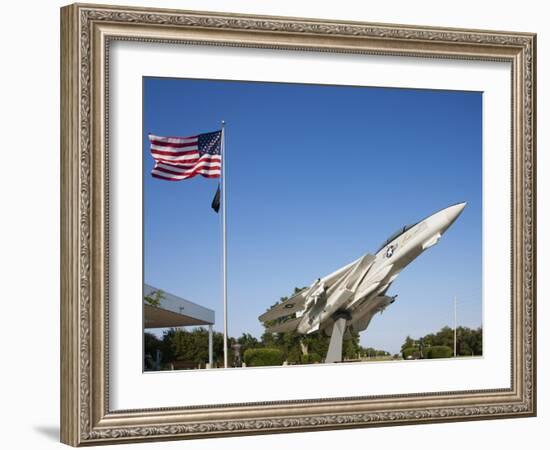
173	311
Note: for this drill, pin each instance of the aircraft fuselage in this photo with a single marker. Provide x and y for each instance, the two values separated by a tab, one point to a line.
357	291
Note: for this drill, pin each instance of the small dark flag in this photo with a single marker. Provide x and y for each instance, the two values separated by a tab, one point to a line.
216	201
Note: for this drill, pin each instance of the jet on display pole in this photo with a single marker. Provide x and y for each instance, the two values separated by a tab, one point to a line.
348	298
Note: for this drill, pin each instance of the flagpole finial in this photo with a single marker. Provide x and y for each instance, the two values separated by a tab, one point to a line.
223	123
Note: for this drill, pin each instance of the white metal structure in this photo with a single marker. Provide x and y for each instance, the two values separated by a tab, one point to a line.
174	312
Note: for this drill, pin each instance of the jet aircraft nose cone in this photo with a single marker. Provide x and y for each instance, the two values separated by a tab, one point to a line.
452	212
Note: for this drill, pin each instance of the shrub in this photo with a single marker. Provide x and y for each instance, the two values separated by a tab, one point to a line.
311	358
411	351
255	357
294	356
439	351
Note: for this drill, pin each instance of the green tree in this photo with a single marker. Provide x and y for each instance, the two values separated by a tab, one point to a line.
439	351
351	346
192	346
411	352
371	352
255	357
469	341
151	344
409	342
247	341
154	298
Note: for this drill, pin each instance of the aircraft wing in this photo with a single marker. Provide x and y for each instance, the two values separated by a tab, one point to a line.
372	282
359	271
286	308
363	323
289	325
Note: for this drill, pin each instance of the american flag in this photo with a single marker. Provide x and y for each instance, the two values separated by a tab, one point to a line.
180	158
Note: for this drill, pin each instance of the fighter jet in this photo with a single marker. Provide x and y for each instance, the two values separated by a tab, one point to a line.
347	299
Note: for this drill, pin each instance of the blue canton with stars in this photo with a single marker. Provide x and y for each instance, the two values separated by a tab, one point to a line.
210	143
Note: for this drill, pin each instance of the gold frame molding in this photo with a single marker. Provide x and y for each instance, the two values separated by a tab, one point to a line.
86	31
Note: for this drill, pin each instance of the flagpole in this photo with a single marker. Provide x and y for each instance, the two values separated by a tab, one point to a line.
224	249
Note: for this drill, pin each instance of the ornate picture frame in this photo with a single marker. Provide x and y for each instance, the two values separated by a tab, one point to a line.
87	31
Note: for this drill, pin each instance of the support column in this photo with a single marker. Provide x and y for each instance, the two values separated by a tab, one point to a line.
210	347
334	353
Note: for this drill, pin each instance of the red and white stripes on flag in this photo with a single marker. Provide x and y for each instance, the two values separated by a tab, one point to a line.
180	158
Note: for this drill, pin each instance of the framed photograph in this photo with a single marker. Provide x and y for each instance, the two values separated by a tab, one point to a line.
230	185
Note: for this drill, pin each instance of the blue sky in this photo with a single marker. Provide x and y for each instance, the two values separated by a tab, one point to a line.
316	177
